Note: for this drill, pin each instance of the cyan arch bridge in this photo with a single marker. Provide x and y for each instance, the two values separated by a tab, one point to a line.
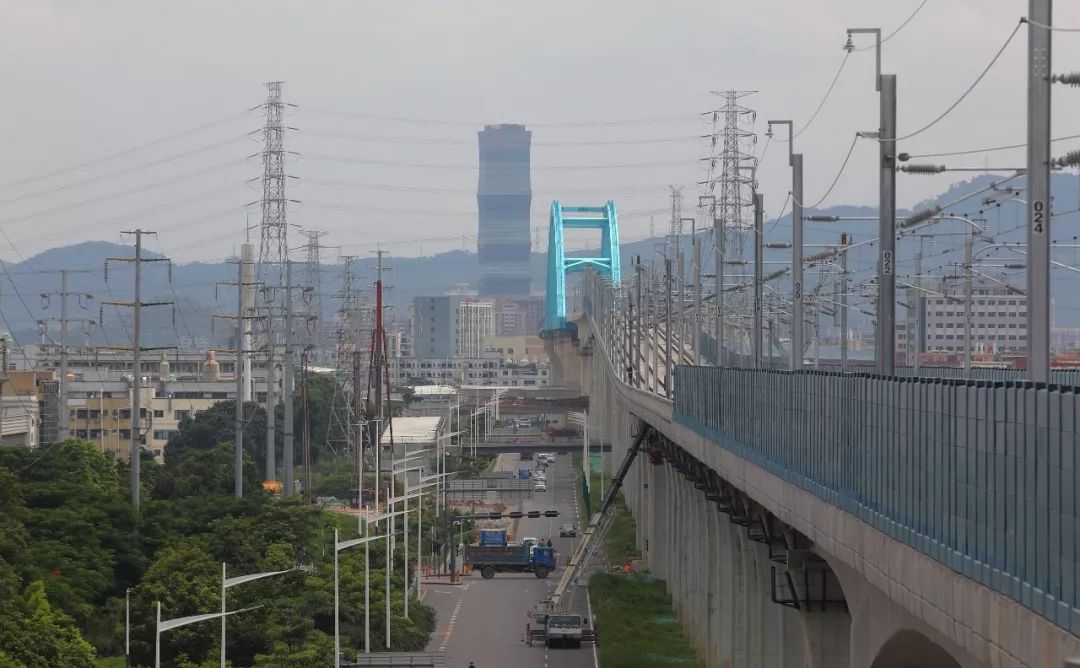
601	218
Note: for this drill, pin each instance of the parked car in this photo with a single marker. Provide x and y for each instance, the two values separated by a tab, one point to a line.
525	456
568	531
540	486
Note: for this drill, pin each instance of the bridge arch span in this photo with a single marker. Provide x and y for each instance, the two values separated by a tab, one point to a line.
909	648
882	630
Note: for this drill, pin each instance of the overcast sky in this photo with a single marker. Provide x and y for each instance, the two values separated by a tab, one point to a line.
83	80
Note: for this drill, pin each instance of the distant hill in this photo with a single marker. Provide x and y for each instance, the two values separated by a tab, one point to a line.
194	284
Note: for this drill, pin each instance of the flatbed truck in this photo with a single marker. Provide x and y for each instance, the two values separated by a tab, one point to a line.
489	560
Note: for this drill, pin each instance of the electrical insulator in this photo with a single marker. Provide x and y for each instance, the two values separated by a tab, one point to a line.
1068	160
777	245
921	217
921	169
822	219
1015	266
1069	79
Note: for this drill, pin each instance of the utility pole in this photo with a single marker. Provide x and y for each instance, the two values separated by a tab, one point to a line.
674	249
654	297
378	376
247	306
718	302
288	381
845	240
885	84
62	423
969	241
136	349
636	345
244	285
271	404
795	161
238	418
887	228
359	425
696	259
759	252
667	327
918	308
680	312
305	429
798	286
1038	184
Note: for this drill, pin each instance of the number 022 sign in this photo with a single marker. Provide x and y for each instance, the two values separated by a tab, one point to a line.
887	262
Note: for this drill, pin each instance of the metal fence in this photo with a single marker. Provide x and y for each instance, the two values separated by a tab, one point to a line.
478	488
1057	376
980	475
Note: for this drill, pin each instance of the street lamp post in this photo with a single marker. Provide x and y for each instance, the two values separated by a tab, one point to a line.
162	626
127	627
232	582
338	547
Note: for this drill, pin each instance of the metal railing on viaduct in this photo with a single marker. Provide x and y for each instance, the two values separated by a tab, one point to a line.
980	475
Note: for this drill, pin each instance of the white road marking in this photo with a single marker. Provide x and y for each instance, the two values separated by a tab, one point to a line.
450	627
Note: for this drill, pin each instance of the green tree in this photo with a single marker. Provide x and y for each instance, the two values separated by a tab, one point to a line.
217	425
185	580
204	471
316	650
33	634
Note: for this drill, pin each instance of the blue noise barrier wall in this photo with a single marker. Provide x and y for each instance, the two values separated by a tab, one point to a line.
601	218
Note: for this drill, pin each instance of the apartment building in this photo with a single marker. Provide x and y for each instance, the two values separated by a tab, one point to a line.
998	320
475	322
484	371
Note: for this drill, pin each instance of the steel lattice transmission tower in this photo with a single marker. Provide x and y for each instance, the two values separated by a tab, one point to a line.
346	334
313	296
676	211
273	246
735	184
736	196
343	416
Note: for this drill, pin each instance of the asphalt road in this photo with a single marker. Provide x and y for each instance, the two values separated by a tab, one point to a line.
484	620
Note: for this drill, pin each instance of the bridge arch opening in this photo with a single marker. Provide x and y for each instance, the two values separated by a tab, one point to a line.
911	649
